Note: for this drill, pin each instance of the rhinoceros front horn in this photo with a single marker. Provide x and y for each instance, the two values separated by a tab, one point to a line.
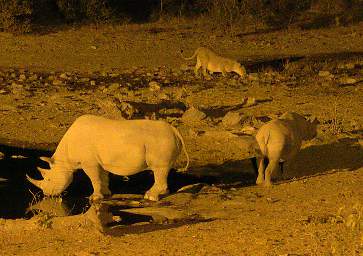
37	183
42	171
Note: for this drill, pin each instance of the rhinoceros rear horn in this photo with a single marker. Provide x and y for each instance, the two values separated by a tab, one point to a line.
37	183
47	159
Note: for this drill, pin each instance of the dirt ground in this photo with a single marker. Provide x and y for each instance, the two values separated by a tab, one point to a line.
135	71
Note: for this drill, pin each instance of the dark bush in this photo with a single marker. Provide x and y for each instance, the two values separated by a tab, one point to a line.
92	10
16	15
21	15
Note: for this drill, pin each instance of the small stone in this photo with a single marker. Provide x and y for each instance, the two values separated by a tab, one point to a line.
154	86
33	77
251	102
249	130
323	73
22	77
184	67
57	82
231	119
114	86
93	47
193	188
347	80
84	80
193	115
2	155
93	83
253	76
63	76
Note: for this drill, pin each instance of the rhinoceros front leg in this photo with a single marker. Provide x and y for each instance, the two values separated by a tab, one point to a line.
160	186
99	180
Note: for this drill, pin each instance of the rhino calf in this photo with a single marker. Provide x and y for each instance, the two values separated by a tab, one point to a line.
96	144
280	140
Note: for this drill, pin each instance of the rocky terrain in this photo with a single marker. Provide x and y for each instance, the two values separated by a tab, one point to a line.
214	208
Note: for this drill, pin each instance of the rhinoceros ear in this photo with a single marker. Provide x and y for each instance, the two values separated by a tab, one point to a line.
49	160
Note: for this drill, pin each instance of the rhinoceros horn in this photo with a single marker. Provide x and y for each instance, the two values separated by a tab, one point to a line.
37	183
42	171
47	159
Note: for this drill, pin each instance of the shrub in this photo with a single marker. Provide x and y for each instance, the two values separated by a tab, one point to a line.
16	15
77	10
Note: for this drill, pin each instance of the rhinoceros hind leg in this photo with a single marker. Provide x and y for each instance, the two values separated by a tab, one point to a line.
271	168
160	186
261	171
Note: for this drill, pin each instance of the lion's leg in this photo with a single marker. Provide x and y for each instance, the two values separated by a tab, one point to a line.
197	67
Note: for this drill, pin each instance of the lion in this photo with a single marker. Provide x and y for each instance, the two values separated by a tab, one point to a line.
212	62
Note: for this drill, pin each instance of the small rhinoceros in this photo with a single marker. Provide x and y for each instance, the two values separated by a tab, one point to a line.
96	144
280	140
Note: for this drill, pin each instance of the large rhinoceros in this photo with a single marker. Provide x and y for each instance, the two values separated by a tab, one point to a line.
280	140
96	144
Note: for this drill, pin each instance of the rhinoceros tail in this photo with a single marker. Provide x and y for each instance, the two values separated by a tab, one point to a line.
177	133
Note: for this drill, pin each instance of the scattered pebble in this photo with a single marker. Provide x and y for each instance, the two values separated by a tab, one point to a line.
232	119
193	115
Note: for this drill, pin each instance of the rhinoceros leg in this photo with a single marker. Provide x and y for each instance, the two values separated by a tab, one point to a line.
261	171
271	168
160	186
99	180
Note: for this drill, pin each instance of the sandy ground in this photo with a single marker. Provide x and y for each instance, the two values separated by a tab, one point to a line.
135	71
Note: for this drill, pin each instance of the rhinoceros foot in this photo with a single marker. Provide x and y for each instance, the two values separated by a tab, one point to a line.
155	196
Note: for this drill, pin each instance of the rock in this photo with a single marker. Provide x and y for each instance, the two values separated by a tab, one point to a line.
249	130
347	81
33	77
184	67
193	115
127	110
63	76
231	119
92	83
154	86
250	102
57	82
253	77
324	73
18	89
2	155
114	87
220	134
22	77
193	188
110	109
84	80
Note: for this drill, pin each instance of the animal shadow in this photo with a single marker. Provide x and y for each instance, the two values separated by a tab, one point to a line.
344	154
231	173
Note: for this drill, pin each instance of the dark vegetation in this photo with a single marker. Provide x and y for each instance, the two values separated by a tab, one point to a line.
23	16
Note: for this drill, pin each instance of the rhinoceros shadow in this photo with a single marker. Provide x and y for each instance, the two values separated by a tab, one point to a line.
345	154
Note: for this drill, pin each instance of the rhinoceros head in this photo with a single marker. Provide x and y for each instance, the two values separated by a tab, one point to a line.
55	180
